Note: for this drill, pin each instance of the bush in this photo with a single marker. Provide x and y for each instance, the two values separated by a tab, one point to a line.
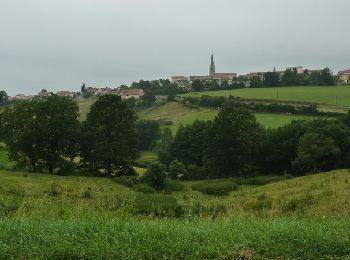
144	188
55	189
155	176
215	187
86	194
172	185
158	205
128	181
176	169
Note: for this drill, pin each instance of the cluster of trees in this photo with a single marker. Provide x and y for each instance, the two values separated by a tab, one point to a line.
199	85
217	102
292	78
46	135
234	144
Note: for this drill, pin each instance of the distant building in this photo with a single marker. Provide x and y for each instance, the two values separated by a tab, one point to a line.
344	76
44	94
22	97
65	93
298	69
213	75
123	93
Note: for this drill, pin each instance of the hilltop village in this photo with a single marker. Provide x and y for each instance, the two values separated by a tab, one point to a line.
291	76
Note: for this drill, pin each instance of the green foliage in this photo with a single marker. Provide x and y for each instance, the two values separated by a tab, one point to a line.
155	176
233	142
41	133
313	150
158	205
144	188
217	187
109	139
148	132
197	86
173	185
176	170
163	148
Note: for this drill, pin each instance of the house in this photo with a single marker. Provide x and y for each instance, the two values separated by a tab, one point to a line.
344	76
298	69
224	76
22	97
201	78
131	93
44	94
65	93
179	79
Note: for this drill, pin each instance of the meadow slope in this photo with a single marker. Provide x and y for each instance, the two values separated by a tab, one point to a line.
330	95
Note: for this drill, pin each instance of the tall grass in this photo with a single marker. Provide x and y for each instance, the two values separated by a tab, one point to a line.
95	238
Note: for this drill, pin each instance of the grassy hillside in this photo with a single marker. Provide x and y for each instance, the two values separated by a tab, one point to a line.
331	95
37	195
178	114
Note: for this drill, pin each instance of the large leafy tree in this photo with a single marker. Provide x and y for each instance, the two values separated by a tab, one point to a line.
232	143
314	151
148	132
109	138
57	119
19	130
190	143
41	133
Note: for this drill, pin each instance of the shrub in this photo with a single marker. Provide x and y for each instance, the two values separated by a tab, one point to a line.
215	187
155	176
144	188
158	205
127	181
55	189
172	185
176	169
86	194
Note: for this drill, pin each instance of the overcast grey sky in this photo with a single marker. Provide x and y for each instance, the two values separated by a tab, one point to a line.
59	44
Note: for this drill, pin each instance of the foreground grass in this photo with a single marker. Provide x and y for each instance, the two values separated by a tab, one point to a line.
181	115
95	238
331	95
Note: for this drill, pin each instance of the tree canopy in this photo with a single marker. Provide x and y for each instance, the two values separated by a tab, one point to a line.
109	138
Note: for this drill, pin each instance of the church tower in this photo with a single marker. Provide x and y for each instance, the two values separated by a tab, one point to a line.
212	66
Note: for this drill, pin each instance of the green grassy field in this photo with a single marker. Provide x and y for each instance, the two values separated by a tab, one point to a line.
331	95
97	238
179	114
51	217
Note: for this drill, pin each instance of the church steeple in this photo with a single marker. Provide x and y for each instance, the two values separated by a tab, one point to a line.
212	66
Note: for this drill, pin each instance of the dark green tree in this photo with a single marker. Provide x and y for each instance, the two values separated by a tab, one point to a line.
176	169
148	133
155	176
163	147
3	97
271	79
233	140
148	99
289	78
59	128
109	138
313	149
190	143
197	86
43	133
19	130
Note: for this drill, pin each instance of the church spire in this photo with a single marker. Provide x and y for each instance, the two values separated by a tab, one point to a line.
212	66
